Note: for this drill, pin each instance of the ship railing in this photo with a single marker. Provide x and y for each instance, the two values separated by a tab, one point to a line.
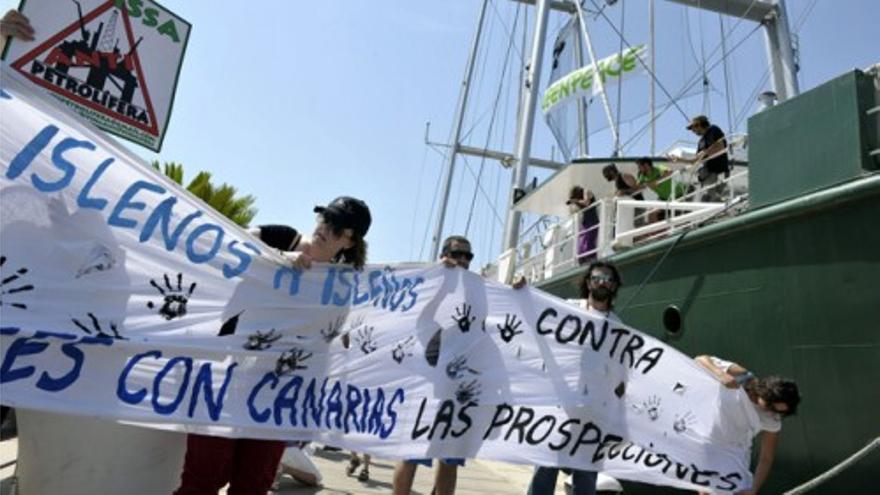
550	248
679	214
622	223
632	217
557	250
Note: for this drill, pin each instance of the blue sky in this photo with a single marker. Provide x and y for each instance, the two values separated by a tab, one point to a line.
299	102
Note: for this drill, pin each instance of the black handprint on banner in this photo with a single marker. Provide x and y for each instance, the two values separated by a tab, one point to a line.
96	328
403	349
4	291
683	422
261	341
463	317
651	406
332	330
291	360
468	392
364	340
509	329
457	367
174	299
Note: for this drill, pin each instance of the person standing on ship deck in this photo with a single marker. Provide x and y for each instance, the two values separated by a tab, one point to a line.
625	185
579	204
659	179
712	142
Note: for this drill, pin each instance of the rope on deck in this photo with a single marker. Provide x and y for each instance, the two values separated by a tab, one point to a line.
834	471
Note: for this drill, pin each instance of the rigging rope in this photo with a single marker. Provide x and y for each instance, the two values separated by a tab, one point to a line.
686	88
728	89
689	85
834	471
743	113
491	126
639	58
412	230
431	212
619	83
672	247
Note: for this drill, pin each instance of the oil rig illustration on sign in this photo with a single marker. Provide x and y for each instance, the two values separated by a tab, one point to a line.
100	54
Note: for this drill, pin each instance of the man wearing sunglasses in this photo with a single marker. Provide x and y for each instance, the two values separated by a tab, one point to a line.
456	252
598	289
766	402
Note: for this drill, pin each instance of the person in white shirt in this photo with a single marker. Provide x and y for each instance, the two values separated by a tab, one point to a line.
598	290
771	398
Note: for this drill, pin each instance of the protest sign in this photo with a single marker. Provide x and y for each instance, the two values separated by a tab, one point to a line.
125	298
115	62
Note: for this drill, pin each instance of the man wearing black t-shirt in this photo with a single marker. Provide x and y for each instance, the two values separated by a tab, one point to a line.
712	142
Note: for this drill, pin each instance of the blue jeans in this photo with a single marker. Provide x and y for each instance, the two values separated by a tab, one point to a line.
544	482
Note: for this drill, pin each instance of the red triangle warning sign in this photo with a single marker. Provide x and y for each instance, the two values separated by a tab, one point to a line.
94	63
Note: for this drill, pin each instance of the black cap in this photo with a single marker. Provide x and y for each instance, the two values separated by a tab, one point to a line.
699	120
348	213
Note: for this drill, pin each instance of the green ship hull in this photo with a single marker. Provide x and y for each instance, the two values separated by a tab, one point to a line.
789	287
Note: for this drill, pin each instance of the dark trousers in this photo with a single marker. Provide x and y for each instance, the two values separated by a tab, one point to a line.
249	466
544	482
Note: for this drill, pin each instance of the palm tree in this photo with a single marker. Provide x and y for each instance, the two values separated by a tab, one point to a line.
240	210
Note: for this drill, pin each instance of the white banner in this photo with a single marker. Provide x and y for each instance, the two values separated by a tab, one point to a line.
125	298
116	62
582	81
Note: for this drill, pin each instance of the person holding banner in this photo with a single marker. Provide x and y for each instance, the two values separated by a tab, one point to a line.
250	465
771	398
456	252
598	289
15	25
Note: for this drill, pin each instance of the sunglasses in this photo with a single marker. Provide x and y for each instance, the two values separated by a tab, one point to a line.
601	279
459	255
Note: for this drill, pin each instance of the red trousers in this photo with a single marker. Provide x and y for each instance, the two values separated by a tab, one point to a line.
249	466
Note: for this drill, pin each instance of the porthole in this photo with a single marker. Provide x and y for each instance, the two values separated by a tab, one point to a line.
672	320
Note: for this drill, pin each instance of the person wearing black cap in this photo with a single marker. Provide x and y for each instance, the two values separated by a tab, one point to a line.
712	142
338	236
250	465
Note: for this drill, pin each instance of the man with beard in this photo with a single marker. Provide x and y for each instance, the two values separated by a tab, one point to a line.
598	290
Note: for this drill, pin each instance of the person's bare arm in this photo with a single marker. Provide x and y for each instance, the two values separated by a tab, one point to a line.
719	145
630	181
728	377
769	440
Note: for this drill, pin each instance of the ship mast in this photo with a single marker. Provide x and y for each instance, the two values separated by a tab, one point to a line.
524	134
456	137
